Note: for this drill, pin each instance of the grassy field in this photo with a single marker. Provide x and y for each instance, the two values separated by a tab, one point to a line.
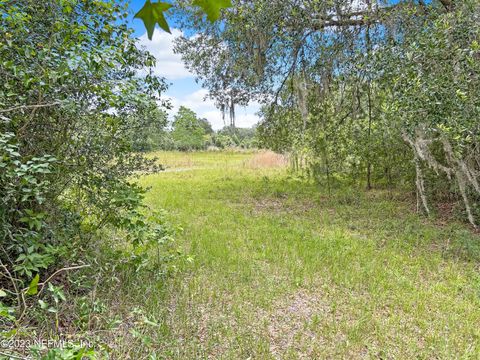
177	160
281	269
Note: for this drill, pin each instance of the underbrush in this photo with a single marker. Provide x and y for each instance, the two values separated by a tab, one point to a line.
95	308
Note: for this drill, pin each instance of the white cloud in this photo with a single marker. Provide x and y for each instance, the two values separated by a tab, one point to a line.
245	116
169	64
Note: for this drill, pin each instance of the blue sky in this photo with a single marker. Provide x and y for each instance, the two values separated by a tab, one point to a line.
183	89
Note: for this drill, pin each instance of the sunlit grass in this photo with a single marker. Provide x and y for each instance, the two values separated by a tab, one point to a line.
181	160
281	269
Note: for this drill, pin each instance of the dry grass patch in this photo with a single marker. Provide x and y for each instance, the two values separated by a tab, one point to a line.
267	159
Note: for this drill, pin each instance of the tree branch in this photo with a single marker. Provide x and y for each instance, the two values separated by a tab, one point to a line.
368	17
447	4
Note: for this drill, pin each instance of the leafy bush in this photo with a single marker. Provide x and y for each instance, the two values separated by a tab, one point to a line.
150	124
236	137
72	106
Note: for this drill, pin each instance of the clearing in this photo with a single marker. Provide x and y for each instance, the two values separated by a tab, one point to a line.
281	269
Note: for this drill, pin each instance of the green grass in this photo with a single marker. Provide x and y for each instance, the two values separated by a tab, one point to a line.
282	269
199	159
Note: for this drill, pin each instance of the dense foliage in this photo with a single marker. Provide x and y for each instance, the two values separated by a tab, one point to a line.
379	92
151	129
72	107
188	132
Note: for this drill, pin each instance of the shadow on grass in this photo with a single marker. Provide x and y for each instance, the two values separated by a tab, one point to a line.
387	216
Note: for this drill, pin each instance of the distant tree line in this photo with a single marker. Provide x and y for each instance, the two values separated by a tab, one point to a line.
188	132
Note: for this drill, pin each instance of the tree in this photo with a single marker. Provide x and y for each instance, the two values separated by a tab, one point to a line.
188	130
70	102
332	75
240	137
206	126
151	131
435	92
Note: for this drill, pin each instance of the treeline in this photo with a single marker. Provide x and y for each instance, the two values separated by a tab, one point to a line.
188	132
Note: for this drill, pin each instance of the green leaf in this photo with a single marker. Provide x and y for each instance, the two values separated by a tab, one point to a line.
6	312
33	287
152	14
2	293
212	7
43	304
149	322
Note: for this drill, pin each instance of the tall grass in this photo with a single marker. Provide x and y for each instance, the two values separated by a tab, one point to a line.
279	268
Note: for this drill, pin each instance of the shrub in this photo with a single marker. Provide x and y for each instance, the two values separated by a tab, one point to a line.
72	102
